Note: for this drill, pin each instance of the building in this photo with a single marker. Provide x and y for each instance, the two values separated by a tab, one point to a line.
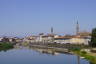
62	40
72	40
80	40
31	39
41	38
48	38
1	39
77	28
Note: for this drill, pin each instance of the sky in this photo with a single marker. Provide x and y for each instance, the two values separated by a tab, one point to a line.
30	17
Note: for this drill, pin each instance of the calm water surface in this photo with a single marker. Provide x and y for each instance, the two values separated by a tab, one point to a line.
29	56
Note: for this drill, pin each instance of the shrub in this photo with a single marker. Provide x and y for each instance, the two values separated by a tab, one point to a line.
83	52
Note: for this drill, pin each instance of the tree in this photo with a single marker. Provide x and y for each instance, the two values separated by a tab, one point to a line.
93	38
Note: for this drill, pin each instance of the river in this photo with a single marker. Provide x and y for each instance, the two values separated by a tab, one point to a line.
38	56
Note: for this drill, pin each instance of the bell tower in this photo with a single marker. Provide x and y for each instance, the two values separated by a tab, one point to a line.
77	28
51	30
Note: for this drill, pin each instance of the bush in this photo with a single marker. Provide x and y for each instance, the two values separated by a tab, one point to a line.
93	38
75	49
5	46
83	52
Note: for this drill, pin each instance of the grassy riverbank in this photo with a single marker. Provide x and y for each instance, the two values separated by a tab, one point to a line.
86	55
5	46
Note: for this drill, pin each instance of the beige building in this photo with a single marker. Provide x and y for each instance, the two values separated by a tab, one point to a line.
39	39
1	38
46	38
72	40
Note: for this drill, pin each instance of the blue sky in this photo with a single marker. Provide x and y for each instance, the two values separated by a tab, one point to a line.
26	17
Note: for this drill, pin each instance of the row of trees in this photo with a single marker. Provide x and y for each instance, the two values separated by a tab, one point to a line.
93	38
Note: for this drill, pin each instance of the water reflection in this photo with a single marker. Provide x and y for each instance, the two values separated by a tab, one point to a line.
51	51
78	59
46	51
35	55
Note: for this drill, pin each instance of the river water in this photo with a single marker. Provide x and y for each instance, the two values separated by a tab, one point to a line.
38	56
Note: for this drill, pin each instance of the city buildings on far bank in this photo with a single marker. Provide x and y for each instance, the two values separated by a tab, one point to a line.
79	38
12	40
72	39
50	38
41	38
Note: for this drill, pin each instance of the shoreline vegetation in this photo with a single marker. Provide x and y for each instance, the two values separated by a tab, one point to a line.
5	46
86	55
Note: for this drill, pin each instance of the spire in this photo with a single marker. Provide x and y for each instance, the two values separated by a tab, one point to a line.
77	28
51	30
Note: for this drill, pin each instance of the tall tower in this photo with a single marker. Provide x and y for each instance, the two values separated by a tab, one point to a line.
77	28
51	30
52	35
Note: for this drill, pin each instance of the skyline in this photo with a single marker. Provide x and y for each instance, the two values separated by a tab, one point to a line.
21	17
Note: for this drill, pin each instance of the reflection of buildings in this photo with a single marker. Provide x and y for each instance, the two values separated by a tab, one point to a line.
45	51
78	59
